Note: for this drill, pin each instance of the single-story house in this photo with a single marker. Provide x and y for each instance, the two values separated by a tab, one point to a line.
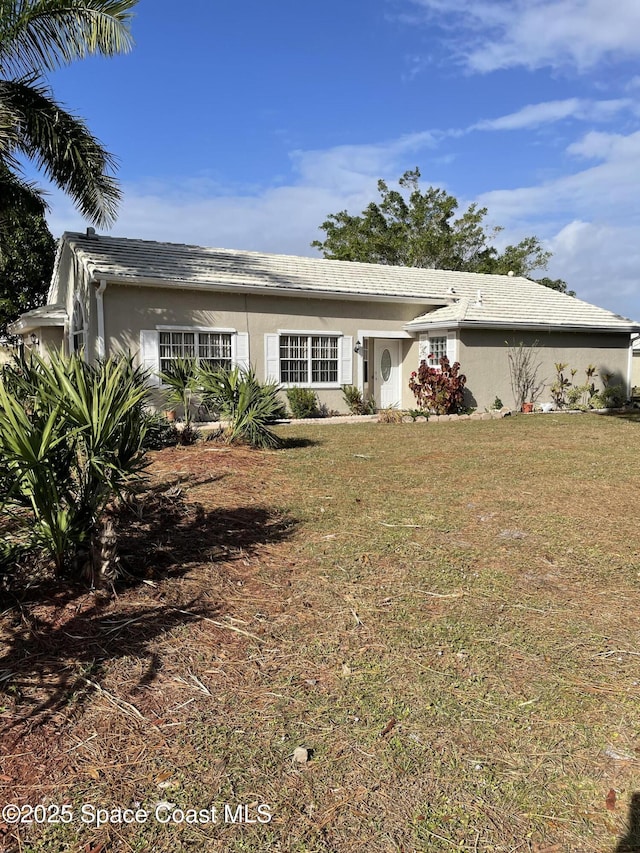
315	323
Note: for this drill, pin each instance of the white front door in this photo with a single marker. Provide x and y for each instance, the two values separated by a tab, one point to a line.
387	373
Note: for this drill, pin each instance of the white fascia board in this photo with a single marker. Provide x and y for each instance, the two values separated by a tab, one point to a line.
315	332
216	329
27	324
273	290
506	325
373	333
427	327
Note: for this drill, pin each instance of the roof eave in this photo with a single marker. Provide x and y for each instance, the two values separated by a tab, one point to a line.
30	320
425	326
265	290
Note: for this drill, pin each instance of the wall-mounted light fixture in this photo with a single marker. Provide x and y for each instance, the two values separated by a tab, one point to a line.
358	347
34	339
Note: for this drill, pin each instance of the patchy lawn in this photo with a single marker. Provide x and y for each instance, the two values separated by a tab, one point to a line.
444	616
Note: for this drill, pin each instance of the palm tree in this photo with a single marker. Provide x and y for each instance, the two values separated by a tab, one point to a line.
37	36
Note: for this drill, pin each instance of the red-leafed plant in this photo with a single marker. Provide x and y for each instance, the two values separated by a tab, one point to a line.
439	390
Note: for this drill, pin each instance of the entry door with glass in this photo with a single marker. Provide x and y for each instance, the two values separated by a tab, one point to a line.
387	373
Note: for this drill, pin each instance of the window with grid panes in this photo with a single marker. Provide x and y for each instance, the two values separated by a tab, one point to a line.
214	349
437	350
308	359
210	348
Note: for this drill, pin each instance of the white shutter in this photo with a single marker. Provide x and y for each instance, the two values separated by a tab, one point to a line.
150	354
452	347
423	349
241	351
346	360
272	358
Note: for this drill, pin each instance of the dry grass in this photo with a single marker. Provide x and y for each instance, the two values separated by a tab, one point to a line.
445	615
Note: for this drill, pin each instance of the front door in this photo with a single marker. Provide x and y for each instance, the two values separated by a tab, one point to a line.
387	373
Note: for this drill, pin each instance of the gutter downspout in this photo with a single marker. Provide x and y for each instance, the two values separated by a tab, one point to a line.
100	342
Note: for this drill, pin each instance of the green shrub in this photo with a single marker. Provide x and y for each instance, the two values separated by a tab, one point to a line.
182	381
159	432
303	402
414	414
356	404
248	406
71	439
611	397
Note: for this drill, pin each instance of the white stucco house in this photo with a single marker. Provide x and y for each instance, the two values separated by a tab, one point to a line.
313	322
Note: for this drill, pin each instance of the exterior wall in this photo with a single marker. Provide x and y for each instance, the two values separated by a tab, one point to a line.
50	337
130	309
482	353
70	284
635	369
483	359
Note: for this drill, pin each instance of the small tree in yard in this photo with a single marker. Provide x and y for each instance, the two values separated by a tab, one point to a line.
523	367
439	390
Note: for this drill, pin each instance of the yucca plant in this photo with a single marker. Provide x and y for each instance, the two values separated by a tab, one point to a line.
248	406
71	439
181	378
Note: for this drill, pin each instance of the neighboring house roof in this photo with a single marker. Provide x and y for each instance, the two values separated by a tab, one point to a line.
465	299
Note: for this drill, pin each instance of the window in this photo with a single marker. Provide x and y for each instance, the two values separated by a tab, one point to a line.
78	329
208	348
214	349
308	359
433	349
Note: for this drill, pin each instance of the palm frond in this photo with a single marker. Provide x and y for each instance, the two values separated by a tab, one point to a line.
45	34
62	146
16	193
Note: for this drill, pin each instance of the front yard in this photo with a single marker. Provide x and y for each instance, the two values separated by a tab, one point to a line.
444	616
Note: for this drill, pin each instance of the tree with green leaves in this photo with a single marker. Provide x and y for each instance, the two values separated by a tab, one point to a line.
409	227
36	37
558	284
27	254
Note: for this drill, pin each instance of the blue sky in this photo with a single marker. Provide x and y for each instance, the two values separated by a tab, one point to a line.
242	124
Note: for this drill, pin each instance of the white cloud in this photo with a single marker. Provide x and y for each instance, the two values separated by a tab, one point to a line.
585	249
535	115
538	33
607	146
590	219
607	191
276	219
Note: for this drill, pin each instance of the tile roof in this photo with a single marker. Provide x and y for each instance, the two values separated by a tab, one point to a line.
504	299
45	315
515	301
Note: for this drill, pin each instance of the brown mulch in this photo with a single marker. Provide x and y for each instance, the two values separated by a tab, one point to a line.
188	543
